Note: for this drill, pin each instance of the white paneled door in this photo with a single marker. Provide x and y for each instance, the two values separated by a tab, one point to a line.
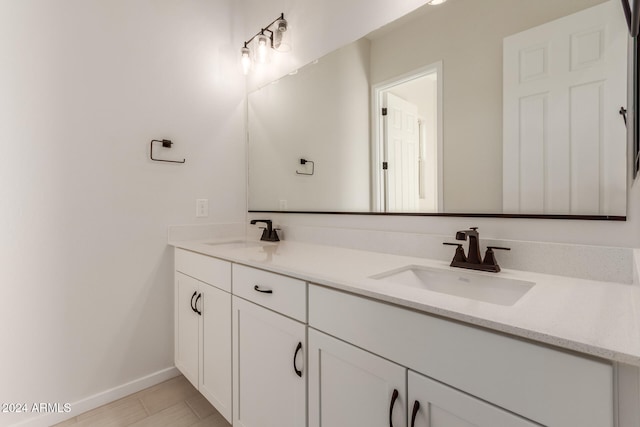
402	139
564	139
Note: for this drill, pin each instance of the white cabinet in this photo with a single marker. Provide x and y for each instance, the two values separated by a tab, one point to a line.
187	331
548	386
269	372
203	327
351	387
369	363
215	335
432	404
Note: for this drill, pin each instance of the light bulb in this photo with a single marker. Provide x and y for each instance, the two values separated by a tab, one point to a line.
281	41
263	48
245	60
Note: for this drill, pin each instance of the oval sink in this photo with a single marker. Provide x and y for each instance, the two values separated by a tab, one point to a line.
477	286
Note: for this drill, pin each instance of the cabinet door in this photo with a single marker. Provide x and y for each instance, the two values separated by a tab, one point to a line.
350	387
442	406
215	339
268	349
186	327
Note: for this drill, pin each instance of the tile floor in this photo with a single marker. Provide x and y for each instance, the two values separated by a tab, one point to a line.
173	403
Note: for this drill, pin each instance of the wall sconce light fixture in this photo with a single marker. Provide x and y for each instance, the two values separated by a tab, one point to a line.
271	37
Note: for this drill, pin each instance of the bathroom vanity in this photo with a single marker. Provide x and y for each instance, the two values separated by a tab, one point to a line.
295	334
323	336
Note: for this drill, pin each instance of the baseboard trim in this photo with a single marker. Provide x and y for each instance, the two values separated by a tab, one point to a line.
101	398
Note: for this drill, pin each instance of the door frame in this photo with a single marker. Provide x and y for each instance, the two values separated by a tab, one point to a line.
378	146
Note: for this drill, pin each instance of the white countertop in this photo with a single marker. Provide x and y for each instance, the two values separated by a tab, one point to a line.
591	317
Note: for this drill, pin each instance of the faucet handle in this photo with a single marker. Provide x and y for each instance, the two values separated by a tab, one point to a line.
459	255
265	233
490	257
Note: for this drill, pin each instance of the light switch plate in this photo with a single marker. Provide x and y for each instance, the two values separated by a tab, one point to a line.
202	208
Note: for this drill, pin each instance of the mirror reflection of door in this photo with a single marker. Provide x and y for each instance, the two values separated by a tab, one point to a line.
564	139
402	141
408	143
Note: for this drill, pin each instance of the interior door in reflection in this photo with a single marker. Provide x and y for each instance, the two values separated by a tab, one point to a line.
564	139
402	142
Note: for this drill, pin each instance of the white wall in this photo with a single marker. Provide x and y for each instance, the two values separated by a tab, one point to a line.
86	289
323	31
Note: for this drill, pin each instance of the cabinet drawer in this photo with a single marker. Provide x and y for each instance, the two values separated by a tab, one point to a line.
204	268
549	386
274	291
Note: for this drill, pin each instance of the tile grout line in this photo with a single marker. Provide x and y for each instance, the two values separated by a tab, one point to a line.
146	410
192	410
119	411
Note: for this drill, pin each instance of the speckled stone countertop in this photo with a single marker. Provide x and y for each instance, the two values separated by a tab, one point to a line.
591	317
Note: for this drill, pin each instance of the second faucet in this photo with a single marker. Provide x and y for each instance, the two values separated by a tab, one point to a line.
473	260
269	234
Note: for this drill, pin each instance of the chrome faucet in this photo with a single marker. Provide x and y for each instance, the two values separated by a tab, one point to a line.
473	260
269	234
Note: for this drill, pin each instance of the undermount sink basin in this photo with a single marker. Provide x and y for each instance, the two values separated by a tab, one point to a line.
233	244
476	286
